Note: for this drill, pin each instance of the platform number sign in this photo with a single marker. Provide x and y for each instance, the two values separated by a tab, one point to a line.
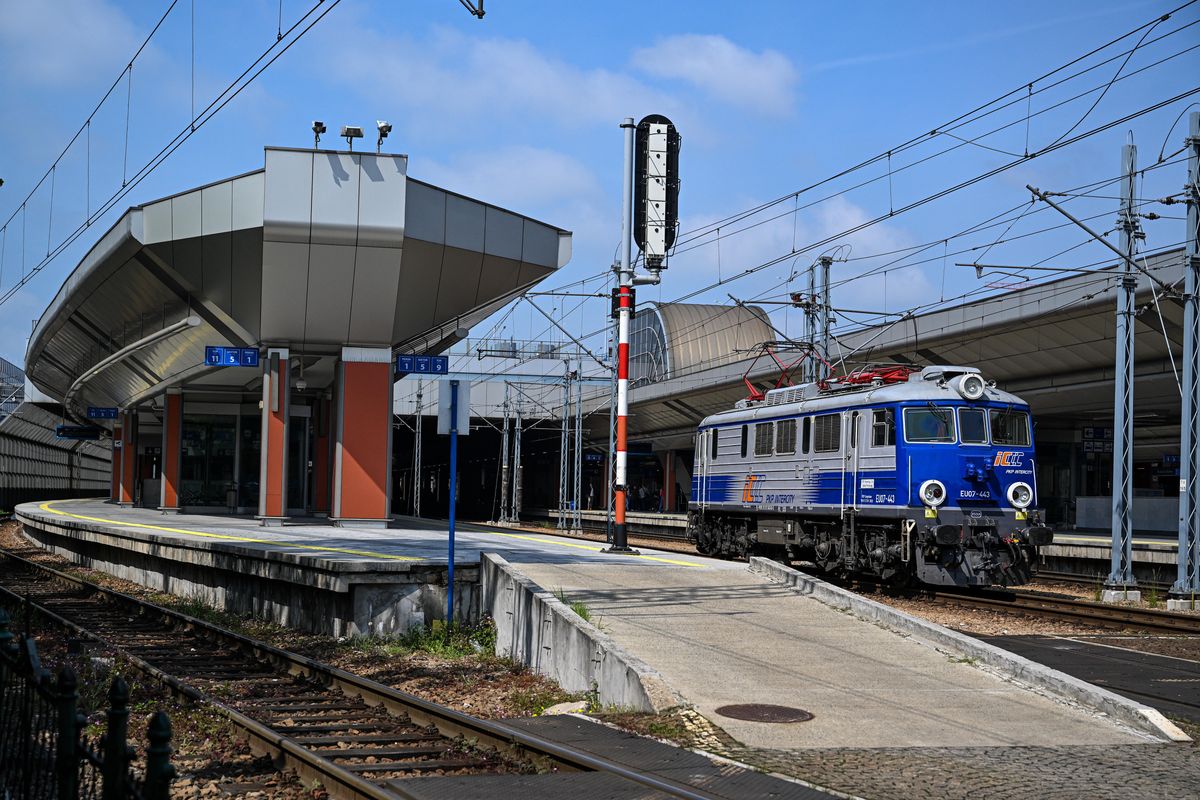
231	356
423	365
101	412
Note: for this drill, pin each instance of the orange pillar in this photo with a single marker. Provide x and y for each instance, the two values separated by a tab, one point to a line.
128	457
362	463
172	452
322	452
272	470
114	494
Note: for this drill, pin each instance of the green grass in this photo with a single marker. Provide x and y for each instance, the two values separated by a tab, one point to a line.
578	606
452	642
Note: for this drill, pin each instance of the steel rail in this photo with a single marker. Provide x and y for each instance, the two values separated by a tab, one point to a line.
450	723
1111	616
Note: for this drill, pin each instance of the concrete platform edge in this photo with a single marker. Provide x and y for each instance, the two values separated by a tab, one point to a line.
1010	665
535	628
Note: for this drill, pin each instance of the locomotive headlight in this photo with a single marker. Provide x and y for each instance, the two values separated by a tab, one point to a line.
933	493
970	387
1020	495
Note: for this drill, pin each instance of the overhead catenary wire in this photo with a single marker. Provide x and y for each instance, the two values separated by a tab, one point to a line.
234	88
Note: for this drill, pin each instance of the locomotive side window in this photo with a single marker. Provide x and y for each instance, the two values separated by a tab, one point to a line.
933	424
883	427
764	436
827	433
805	445
712	443
972	426
785	436
745	437
1010	427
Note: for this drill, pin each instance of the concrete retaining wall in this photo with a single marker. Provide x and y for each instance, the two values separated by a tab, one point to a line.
1030	673
310	593
536	629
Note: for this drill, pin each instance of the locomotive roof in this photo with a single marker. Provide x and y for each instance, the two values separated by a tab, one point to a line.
928	384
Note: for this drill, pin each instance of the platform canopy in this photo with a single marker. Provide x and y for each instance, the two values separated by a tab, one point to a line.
315	251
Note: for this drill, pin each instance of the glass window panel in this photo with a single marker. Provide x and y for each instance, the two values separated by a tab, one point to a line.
972	426
935	424
1010	427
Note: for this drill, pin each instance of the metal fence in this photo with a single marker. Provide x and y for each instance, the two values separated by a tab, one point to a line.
44	753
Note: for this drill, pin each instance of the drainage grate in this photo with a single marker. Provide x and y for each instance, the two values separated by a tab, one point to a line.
764	712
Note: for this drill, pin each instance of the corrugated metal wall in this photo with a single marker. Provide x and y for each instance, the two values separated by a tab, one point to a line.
36	465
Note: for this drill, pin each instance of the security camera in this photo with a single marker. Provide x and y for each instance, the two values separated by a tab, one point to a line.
384	129
318	128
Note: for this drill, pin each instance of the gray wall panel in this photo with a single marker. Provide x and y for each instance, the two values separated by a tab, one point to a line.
505	234
156	222
216	208
247	278
335	198
497	276
381	194
287	196
187	260
217	259
330	282
376	283
425	213
459	284
540	245
464	223
185	215
283	281
248	202
420	272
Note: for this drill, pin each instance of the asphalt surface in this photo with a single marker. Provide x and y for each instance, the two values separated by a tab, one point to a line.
1171	685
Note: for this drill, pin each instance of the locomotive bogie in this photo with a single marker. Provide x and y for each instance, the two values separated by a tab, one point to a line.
929	478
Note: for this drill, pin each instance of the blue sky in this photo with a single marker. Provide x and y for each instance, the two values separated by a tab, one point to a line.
521	109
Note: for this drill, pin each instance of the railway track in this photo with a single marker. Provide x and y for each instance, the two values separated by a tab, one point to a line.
359	738
1056	607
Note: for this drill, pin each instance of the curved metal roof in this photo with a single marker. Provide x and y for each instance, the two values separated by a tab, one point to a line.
700	336
317	250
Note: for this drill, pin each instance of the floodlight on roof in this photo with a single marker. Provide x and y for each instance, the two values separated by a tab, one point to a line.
318	128
384	129
350	133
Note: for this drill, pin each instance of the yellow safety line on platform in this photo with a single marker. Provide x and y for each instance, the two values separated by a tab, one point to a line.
226	536
595	549
319	548
1100	538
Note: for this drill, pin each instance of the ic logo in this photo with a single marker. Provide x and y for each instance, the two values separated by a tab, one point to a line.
748	493
1008	458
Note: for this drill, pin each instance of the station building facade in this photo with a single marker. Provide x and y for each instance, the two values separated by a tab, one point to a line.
311	274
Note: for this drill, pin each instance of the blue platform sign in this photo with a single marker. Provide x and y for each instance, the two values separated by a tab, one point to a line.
423	365
95	412
231	356
83	433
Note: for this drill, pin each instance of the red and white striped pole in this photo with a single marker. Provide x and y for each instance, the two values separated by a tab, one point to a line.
620	541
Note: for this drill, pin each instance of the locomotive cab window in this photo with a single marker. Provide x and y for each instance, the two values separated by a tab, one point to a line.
712	443
827	433
764	436
972	426
883	427
785	436
805	445
1010	427
745	437
932	424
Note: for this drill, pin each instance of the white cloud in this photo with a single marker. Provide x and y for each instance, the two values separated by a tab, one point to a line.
455	77
764	81
63	43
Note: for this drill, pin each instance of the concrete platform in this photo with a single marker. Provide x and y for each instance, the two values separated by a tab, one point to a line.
731	637
308	574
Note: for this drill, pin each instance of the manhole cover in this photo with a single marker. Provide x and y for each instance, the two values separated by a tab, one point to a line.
764	712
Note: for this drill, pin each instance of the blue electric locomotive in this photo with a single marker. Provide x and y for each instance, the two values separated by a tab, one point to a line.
904	475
